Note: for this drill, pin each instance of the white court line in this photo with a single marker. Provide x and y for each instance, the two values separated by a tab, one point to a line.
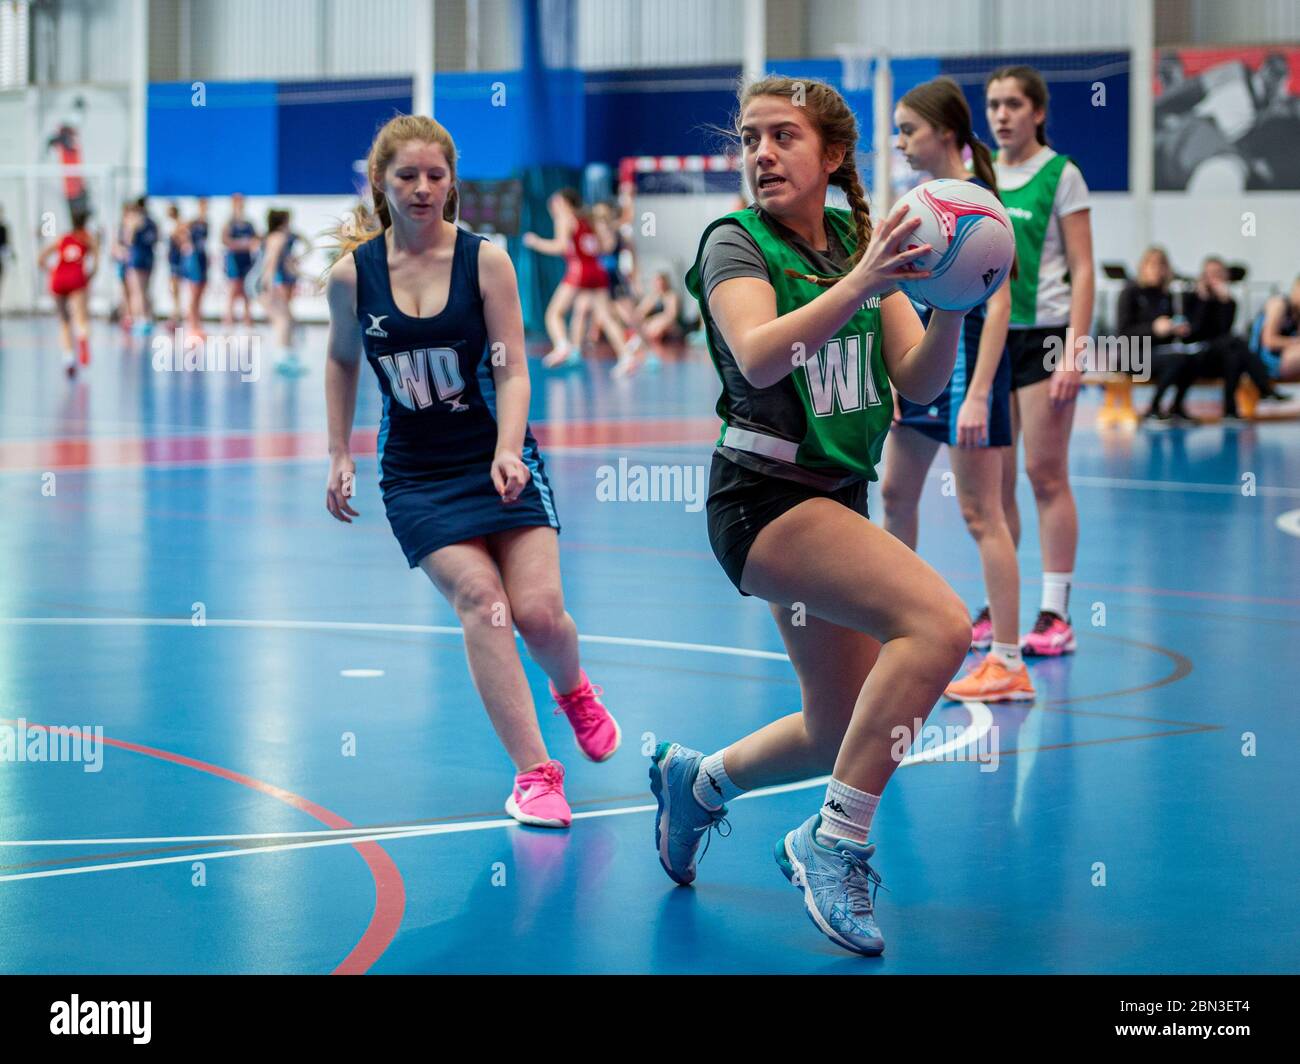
322	460
1127	484
1289	522
981	723
1076	479
363	626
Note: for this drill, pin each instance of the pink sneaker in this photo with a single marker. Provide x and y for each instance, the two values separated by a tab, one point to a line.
981	631
538	797
1052	636
597	732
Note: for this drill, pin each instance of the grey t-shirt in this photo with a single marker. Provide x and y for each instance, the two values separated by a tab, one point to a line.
731	252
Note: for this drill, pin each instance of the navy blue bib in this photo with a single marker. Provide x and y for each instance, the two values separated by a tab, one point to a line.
434	373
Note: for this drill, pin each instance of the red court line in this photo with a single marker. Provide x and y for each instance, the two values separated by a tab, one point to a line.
390	890
118	452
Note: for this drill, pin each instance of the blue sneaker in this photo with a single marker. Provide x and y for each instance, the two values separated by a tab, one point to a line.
681	823
839	886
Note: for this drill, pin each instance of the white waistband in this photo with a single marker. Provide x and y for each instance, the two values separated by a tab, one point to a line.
760	443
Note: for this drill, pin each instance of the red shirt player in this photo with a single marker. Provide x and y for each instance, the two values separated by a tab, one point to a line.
74	258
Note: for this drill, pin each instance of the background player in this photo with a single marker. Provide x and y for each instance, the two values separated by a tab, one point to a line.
1051	309
464	485
74	258
972	415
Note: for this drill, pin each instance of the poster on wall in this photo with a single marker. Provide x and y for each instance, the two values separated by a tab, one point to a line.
1227	120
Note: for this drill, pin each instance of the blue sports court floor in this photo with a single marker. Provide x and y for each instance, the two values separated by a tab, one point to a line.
234	826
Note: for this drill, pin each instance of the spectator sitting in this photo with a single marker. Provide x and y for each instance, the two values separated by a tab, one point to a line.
1146	308
1274	336
1211	311
659	311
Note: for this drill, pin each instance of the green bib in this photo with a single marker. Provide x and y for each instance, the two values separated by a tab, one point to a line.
1030	208
840	397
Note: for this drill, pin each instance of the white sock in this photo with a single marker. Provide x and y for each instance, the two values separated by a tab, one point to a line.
1056	593
846	814
1008	654
713	786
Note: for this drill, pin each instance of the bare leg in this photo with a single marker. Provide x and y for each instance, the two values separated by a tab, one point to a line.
560	302
908	457
469	579
1010	510
529	560
979	489
1047	454
845	570
832	664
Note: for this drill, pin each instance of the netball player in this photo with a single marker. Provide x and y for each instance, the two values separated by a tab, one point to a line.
239	238
196	266
279	277
576	241
175	262
436	312
74	259
807	332
972	415
608	227
120	251
1051	309
141	236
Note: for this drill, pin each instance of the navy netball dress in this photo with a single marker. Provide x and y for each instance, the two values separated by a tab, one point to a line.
196	265
439	429
238	263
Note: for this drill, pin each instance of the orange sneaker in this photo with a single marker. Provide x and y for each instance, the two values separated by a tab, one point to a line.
991	681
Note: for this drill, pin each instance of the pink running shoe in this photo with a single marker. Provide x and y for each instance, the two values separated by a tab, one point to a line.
1052	636
538	797
597	732
981	631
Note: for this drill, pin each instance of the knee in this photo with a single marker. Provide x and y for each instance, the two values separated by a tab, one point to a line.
983	517
481	600
949	632
1049	479
898	498
540	617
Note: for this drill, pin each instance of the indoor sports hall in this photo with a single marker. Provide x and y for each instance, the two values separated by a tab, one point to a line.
239	735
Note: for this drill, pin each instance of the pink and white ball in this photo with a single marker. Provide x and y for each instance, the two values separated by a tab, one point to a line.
972	238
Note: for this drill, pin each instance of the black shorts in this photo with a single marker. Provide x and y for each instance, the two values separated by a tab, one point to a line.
742	503
1029	354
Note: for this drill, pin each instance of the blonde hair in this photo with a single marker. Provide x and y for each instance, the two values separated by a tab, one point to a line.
836	126
362	224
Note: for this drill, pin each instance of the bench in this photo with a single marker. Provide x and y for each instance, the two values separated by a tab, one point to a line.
1117	410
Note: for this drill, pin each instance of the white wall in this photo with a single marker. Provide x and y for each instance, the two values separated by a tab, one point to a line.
1252	22
658	33
942	27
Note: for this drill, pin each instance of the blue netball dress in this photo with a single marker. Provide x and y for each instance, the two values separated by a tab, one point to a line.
146	236
238	263
438	434
196	263
283	272
174	256
938	419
